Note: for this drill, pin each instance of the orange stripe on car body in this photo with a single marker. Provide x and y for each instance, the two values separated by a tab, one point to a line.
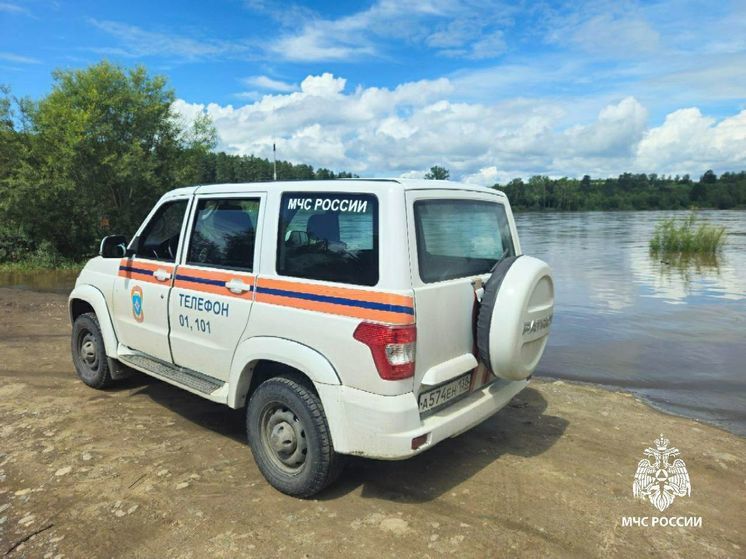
141	270
343	292
212	281
378	306
331	308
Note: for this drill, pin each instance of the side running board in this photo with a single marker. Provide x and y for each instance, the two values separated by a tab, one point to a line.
178	375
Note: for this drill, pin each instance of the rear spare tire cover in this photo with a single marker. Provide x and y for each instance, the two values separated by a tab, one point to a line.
514	316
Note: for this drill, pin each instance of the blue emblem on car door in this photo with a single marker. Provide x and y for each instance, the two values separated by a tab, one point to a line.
137	310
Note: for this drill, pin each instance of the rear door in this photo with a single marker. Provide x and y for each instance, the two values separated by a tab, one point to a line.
455	237
214	284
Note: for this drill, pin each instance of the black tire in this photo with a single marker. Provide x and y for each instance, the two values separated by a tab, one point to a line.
487	306
89	353
290	438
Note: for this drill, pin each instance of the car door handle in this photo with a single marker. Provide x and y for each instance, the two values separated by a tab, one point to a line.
162	275
237	286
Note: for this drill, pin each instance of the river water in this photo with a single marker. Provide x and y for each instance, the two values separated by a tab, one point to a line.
674	333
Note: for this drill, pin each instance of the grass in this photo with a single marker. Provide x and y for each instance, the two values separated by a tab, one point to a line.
687	236
41	265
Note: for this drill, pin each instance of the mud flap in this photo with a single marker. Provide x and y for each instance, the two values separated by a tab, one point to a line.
117	370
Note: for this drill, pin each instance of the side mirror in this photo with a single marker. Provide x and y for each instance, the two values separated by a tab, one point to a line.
113	246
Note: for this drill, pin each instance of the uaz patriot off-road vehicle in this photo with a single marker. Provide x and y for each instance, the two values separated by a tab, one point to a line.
366	317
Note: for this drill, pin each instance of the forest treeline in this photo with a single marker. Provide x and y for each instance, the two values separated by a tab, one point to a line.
215	168
628	191
91	157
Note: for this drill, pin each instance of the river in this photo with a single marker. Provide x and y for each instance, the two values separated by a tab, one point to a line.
673	333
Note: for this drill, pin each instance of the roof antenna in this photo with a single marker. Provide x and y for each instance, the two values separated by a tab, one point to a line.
274	161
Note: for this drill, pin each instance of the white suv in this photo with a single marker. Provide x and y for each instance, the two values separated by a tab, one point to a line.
366	317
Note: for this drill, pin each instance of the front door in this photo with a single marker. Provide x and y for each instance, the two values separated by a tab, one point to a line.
214	285
142	288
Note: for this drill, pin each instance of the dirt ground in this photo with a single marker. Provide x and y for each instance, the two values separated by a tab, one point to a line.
147	470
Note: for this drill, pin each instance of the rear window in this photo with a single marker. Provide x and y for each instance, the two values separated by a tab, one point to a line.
459	238
329	236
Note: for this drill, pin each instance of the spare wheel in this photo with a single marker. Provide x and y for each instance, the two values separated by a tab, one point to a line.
514	316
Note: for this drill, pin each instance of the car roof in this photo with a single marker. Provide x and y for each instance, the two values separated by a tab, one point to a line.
356	185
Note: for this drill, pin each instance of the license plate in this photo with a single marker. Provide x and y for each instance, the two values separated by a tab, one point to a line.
443	394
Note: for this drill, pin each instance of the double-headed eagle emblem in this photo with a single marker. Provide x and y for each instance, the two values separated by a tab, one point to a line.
661	481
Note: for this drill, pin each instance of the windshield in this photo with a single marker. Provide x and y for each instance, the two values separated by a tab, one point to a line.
459	238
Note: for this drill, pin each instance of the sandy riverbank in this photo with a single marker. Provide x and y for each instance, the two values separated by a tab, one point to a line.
147	470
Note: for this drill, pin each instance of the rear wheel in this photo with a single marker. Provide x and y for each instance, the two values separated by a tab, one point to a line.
290	438
88	352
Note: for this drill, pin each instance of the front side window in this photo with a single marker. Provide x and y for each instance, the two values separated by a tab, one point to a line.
460	238
224	233
329	236
160	238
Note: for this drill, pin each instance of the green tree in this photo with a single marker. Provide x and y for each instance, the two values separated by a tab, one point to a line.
194	160
10	138
628	191
103	146
709	177
437	173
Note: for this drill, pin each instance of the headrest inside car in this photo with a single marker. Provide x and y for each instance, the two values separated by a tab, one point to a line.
324	226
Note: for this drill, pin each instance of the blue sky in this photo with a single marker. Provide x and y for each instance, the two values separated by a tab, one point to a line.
489	89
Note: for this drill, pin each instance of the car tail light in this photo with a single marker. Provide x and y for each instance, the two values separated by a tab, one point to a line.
392	347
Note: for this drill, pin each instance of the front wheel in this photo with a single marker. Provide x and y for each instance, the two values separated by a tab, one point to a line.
89	353
290	438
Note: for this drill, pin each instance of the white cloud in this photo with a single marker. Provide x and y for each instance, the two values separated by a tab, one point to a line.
616	131
486	176
18	59
188	112
138	42
285	13
601	28
265	82
708	76
248	95
617	35
316	44
414	174
463	28
691	140
488	47
407	129
325	85
9	8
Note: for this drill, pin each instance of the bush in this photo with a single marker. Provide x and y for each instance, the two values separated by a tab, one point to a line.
19	253
15	247
687	236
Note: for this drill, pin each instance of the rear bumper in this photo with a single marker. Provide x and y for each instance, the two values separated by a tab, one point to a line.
383	427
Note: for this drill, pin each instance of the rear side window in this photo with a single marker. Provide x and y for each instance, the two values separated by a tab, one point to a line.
329	236
224	233
460	238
